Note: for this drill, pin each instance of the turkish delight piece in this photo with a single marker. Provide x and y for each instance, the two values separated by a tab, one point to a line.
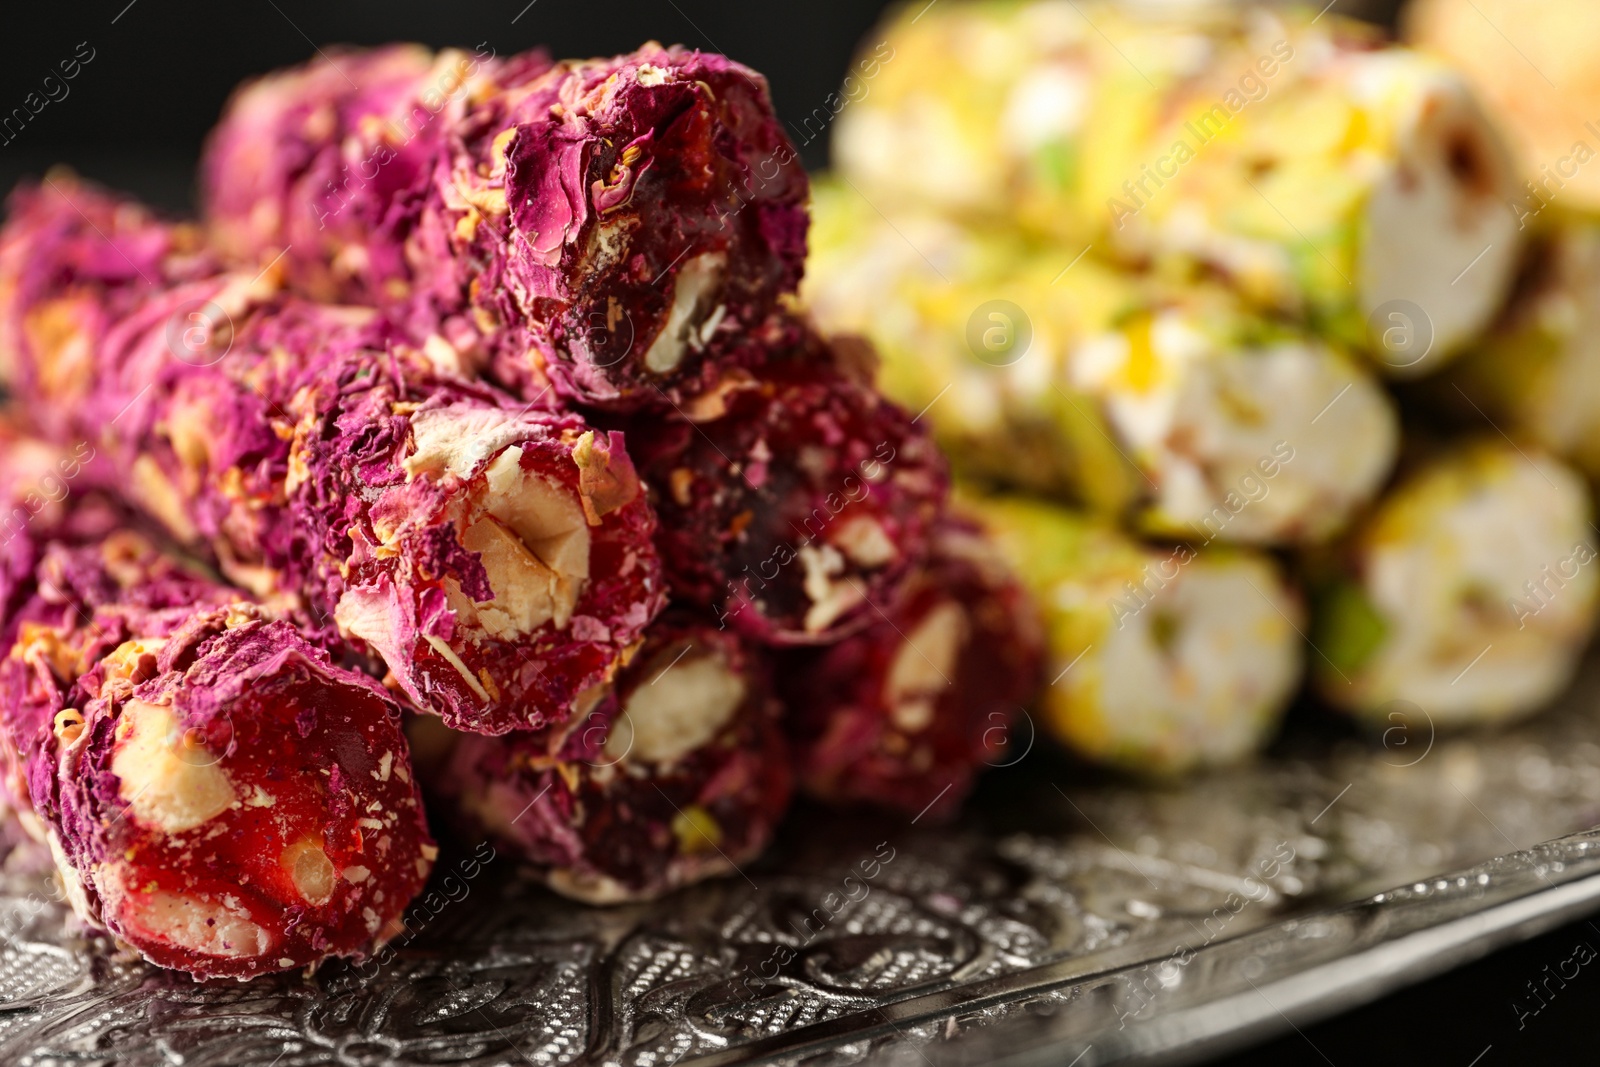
906	713
216	792
794	502
599	226
680	772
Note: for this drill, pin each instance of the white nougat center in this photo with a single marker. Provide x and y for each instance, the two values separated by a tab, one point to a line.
677	711
168	783
533	542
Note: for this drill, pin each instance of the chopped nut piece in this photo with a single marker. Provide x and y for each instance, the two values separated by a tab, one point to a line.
165	787
311	871
69	725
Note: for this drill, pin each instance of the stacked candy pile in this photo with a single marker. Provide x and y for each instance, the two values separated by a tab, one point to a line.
478	399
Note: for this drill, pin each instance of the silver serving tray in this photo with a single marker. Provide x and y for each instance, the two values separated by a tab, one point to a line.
1064	920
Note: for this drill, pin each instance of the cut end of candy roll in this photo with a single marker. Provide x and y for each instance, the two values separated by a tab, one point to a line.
280	830
217	793
1439	237
906	713
1199	677
680	773
1545	85
1470	595
682	205
566	577
1161	660
792	500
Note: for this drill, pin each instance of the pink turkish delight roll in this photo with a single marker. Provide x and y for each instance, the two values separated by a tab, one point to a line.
216	792
795	502
498	560
904	714
680	772
333	159
603	226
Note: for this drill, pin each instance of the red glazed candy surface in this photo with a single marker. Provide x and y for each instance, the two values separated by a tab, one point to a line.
906	713
317	854
216	792
795	501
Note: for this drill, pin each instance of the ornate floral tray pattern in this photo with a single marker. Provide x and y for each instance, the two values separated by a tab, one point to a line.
1061	918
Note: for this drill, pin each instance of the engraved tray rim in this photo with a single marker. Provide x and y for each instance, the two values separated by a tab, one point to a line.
1215	1026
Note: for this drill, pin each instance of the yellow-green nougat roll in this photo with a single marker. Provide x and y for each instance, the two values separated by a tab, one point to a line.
1470	594
1537	373
1178	407
1164	659
1319	172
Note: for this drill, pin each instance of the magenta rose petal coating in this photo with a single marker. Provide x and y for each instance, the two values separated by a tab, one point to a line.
904	714
498	560
305	159
795	502
216	792
679	773
599	226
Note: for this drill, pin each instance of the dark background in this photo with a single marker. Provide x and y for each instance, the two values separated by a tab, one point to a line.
134	118
135	114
